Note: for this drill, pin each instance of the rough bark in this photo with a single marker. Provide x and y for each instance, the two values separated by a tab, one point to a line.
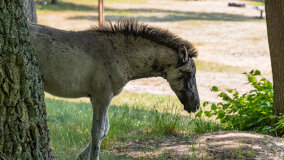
23	127
30	10
275	29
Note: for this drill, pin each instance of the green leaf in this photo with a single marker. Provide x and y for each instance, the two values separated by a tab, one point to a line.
251	79
199	114
213	107
206	103
214	89
272	116
230	90
225	106
222	95
257	73
207	113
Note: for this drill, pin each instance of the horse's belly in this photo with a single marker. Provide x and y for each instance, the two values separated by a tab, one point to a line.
70	82
65	88
67	91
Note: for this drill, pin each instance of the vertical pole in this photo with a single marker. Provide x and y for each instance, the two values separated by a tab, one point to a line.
101	12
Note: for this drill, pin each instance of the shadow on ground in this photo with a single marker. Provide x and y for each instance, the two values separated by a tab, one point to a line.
168	16
225	145
66	6
171	147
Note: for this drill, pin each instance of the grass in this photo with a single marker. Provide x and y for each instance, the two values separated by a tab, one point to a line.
132	117
254	2
78	5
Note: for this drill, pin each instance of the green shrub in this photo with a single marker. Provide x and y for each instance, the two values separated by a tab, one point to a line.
251	111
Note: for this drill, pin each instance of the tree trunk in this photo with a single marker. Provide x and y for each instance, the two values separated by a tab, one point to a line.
54	1
275	29
30	10
23	128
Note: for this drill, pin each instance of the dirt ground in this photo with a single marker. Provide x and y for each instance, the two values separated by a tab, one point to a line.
224	35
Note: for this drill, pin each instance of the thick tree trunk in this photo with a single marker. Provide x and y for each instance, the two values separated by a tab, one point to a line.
30	10
23	127
275	29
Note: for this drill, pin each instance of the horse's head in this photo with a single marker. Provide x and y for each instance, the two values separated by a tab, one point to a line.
183	83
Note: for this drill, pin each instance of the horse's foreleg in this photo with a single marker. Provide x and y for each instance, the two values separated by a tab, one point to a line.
85	152
99	125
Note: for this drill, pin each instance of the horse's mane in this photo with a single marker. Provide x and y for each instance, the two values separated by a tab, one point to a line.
155	34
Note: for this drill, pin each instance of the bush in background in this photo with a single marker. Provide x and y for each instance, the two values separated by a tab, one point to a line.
251	111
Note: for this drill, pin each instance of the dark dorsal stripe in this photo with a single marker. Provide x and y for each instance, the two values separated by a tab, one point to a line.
155	34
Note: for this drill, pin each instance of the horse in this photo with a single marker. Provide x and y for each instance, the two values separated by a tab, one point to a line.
98	62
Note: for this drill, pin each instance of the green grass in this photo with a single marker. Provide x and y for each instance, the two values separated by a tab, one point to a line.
143	116
254	2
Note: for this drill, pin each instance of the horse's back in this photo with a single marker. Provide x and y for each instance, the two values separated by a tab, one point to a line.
67	61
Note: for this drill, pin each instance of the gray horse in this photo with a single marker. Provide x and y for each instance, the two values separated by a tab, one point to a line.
98	62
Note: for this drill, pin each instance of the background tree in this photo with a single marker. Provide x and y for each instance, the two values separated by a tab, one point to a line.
54	1
101	17
275	29
30	10
23	127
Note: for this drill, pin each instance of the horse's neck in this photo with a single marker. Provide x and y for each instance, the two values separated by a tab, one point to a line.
146	58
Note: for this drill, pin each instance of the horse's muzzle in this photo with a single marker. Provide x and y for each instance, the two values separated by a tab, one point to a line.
190	102
191	108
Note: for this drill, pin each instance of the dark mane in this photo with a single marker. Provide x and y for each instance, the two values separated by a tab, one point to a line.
155	34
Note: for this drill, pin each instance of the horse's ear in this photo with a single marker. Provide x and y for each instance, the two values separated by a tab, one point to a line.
183	53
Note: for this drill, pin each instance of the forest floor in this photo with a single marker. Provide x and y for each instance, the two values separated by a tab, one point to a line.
230	41
223	145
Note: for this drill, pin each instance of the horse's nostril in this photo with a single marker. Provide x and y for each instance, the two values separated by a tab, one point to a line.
197	107
191	108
